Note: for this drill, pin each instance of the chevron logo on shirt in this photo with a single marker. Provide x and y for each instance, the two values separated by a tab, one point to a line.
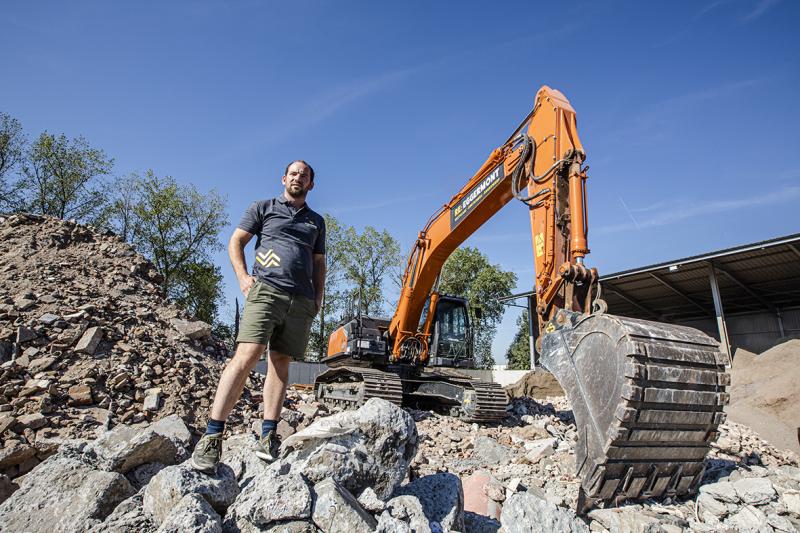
268	259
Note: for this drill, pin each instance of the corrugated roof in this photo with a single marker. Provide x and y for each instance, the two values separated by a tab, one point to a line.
761	276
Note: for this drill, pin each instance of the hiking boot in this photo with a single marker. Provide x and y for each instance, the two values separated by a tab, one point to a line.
269	447
207	452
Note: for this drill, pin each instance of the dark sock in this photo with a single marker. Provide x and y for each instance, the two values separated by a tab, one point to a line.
215	426
267	426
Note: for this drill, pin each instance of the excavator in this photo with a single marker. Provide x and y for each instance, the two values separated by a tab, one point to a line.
647	397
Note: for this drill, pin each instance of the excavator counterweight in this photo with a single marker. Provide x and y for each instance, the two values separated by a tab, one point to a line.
647	397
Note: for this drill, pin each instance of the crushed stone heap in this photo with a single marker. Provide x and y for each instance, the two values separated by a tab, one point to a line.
87	341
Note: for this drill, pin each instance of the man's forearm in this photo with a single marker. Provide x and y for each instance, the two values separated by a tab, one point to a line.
236	254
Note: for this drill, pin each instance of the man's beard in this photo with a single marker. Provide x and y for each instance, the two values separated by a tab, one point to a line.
296	192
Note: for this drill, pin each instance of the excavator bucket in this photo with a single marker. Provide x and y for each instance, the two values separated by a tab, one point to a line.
647	398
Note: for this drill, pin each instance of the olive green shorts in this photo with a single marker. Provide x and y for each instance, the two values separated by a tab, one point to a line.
275	317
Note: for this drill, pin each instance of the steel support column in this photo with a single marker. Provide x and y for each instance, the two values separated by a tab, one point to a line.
721	325
752	293
532	329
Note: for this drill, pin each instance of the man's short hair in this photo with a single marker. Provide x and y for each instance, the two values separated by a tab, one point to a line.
310	169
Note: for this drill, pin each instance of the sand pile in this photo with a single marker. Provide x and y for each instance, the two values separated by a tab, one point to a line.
765	393
537	384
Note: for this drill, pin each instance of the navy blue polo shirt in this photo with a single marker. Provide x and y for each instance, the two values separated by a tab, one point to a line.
287	239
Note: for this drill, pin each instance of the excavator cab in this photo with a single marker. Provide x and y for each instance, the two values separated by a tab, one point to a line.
452	333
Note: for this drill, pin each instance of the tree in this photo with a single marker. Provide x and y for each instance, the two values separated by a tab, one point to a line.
518	355
468	273
63	178
368	258
120	215
12	149
177	228
198	289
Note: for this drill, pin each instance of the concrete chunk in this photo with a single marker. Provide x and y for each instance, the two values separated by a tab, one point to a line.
335	509
90	340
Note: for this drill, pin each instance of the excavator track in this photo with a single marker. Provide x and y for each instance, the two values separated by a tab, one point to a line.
349	387
648	400
482	401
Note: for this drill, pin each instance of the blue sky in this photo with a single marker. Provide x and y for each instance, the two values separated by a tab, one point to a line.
688	110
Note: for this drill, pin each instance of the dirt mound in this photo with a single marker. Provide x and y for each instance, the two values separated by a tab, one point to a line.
535	384
87	340
765	393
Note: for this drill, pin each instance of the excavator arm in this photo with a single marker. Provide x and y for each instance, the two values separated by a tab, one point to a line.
539	164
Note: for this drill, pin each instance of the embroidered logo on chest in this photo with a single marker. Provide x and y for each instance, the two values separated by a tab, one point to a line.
268	259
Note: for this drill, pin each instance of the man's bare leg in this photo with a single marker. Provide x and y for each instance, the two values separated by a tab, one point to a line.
275	384
234	377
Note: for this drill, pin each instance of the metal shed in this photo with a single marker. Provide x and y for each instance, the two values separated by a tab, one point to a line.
746	296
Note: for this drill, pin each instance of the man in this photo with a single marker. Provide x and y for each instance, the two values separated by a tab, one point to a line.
281	299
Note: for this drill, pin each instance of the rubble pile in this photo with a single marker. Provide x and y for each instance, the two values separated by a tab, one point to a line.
385	469
87	342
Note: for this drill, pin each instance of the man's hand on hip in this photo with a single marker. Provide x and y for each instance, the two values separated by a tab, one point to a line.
246	283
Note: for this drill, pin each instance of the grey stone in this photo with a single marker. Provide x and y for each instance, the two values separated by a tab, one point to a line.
23	304
442	499
310	411
791	499
780	523
128	517
125	448
152	400
625	519
539	449
48	319
25	334
40	364
336	510
489	451
90	340
408	509
270	496
142	474
238	452
193	329
63	494
292	526
173	428
370	447
370	501
789	471
389	524
754	490
748	519
172	483
722	491
708	505
193	513
525	513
